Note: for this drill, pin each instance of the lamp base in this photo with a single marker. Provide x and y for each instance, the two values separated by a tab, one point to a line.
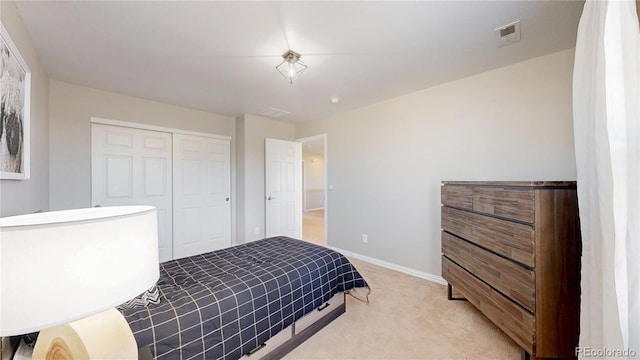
105	335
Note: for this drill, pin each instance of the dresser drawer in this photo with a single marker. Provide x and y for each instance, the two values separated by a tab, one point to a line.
511	279
457	196
512	240
508	316
517	204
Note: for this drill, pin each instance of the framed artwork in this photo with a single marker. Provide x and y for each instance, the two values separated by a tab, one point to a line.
15	94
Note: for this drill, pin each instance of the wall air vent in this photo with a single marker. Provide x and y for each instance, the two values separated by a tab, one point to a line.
508	34
274	113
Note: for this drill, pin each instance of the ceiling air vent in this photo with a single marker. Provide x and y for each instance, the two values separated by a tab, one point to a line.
508	34
274	113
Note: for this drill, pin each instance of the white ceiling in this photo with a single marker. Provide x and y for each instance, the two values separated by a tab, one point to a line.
221	56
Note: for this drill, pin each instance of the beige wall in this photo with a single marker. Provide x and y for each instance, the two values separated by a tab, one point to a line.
386	161
253	130
240	181
314	171
27	196
71	108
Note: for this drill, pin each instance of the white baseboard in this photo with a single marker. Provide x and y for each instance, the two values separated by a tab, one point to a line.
403	269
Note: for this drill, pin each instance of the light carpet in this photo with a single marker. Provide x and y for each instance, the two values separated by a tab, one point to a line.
407	318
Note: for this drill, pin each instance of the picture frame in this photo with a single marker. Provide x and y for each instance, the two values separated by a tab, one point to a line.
15	104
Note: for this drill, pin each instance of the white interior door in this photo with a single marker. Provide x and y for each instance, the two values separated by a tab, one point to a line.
201	191
283	188
133	167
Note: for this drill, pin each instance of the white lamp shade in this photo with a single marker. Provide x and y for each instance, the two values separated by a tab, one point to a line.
61	266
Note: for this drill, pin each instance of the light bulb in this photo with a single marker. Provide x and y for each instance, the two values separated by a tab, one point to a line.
292	70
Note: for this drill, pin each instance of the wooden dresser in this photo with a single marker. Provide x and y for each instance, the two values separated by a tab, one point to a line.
513	249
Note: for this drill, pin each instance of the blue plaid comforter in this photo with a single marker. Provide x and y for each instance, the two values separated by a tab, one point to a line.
223	304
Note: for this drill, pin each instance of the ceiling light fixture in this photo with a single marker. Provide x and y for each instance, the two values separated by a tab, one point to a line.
292	66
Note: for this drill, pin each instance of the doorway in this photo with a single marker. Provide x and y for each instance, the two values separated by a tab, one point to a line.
314	180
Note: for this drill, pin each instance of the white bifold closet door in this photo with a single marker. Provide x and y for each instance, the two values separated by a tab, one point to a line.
186	177
201	192
133	167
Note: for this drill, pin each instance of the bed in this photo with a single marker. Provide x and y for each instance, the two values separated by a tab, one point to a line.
234	302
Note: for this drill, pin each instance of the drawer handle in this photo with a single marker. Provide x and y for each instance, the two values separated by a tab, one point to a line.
256	349
323	307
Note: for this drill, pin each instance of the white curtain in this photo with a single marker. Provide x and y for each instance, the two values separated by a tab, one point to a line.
606	110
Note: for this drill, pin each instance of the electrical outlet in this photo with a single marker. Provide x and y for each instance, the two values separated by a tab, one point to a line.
364	238
256	230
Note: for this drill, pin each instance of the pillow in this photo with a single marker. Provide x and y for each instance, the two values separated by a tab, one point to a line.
151	296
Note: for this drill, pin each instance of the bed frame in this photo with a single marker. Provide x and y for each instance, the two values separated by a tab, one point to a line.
288	339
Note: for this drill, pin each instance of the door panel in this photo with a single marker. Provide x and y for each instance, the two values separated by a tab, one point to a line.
283	188
154	176
119	175
132	167
202	187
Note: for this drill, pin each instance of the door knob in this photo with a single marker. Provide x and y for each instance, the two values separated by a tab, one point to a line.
271	198
227	199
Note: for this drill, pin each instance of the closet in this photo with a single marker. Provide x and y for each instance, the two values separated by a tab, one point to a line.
185	175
